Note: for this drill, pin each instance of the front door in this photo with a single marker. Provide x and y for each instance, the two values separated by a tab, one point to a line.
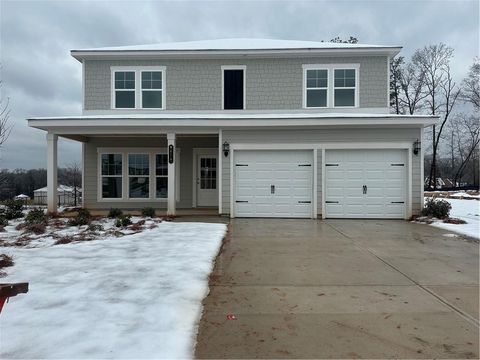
207	191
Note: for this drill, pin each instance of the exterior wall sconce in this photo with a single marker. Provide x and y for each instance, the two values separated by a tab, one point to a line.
417	146
226	148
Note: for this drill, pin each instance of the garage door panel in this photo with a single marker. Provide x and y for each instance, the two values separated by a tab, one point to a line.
385	191
293	183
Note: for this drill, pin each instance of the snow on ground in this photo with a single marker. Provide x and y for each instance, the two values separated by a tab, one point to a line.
467	210
135	296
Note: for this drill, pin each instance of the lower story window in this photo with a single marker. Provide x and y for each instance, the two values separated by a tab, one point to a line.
111	168
161	175
138	174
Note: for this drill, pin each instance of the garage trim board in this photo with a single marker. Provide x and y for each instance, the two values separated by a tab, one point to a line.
320	150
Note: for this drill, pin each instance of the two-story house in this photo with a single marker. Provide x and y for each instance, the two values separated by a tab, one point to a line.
251	127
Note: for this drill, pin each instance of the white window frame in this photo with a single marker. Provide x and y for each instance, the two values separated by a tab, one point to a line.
331	84
235	67
305	89
114	90
101	176
139	176
126	177
343	67
138	85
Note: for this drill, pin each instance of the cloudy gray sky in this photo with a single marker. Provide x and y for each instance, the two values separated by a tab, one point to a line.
41	79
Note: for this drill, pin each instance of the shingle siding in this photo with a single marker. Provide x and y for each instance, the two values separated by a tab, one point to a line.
271	84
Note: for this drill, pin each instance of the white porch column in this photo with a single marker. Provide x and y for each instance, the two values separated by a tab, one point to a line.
171	150
52	141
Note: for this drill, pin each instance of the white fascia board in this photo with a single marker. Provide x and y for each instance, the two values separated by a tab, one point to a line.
149	54
151	126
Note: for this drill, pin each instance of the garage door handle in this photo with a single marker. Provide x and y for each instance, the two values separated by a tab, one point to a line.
398	202
304	202
272	189
365	189
331	202
241	201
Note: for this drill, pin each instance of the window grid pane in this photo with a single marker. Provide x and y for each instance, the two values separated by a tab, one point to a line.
344	78
317	78
111	164
139	187
112	187
124	80
138	164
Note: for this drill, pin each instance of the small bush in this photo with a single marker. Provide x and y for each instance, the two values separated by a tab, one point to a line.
148	212
436	208
3	221
37	229
82	218
67	239
454	221
115	213
123	220
13	209
95	227
36	216
6	261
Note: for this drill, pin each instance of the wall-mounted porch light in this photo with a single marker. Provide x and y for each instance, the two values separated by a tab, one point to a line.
417	145
226	148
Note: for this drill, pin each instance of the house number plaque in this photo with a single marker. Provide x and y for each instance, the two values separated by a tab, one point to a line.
170	154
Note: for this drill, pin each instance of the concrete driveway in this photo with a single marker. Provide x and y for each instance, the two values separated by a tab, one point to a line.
341	289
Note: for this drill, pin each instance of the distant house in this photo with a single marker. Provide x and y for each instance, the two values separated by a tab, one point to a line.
22	197
65	195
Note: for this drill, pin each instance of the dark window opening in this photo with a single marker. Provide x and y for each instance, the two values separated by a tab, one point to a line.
233	89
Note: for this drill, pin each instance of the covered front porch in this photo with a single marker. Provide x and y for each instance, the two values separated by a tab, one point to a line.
174	173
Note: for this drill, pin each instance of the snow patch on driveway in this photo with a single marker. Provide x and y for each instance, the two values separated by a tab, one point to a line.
137	296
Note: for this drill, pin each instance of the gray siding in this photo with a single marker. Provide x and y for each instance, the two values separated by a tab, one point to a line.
270	83
323	136
185	145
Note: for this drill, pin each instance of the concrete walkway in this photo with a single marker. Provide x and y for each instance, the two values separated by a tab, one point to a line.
341	289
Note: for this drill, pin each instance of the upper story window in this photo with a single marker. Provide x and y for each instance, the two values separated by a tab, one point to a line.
125	89
344	87
233	85
138	87
152	89
317	88
330	86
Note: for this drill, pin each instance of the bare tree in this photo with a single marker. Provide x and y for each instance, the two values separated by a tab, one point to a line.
471	85
72	176
412	85
468	138
395	88
441	92
5	127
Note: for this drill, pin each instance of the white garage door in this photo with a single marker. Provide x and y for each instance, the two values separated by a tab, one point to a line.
273	183
365	183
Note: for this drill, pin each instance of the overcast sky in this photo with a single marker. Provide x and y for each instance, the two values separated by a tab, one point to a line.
42	79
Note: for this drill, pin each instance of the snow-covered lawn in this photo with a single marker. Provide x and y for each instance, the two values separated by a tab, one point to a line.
134	296
467	210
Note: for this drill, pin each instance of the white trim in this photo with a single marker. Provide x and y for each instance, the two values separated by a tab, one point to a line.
195	153
52	172
307	146
235	67
408	209
324	215
220	172
83	85
331	84
171	203
232	183
124	151
138	85
315	184
205	53
388	82
422	171
83	174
